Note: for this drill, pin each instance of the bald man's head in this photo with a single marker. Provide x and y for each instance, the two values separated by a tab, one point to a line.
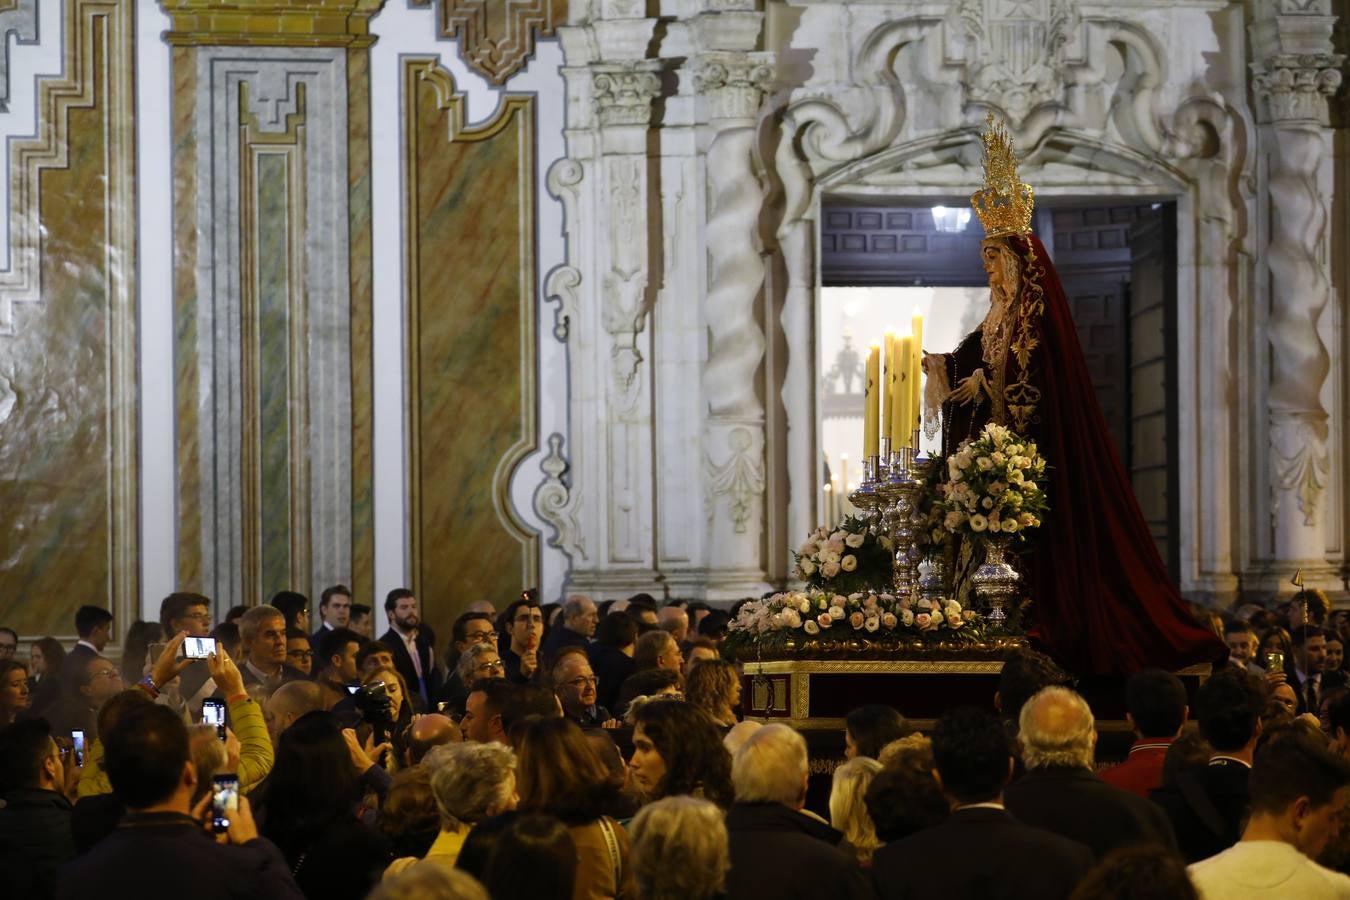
288	703
429	731
1056	728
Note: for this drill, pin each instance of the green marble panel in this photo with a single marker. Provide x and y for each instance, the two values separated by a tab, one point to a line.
274	371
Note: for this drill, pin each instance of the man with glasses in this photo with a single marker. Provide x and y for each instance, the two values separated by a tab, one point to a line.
525	624
95	683
480	662
299	655
575	684
9	643
191	613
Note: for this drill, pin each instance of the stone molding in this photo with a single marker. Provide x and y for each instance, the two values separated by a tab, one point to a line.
271	23
497	44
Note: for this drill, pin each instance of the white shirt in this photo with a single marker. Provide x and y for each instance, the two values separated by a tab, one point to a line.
1254	870
410	641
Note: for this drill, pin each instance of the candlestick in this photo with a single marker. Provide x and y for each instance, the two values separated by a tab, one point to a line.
838	511
828	513
871	432
843	471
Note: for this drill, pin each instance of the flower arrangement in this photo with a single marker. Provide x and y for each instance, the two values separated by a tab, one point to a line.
816	613
995	485
851	558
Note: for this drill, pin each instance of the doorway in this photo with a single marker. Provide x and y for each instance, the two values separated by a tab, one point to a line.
1117	262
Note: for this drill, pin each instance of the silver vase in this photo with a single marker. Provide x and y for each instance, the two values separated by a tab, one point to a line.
995	581
933	583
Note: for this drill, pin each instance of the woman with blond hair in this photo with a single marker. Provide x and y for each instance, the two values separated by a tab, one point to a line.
714	687
680	850
848	808
560	775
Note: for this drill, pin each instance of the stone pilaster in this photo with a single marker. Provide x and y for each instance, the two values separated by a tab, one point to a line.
1294	72
605	185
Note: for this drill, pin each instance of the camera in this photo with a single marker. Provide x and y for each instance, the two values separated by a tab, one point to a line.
372	700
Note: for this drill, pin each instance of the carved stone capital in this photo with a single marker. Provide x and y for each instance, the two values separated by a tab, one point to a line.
1295	87
623	92
734	83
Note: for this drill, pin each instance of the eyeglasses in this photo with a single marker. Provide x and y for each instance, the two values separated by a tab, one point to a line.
105	673
301	654
490	666
584	681
480	637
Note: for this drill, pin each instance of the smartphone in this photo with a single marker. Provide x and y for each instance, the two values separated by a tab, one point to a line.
198	647
224	801
77	739
1274	662
213	713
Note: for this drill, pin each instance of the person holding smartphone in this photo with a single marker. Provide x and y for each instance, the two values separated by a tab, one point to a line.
158	848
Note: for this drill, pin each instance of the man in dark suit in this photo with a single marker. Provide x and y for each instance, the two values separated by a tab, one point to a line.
1310	657
94	685
335	609
159	850
414	656
993	856
1208	808
580	618
94	626
777	852
1061	793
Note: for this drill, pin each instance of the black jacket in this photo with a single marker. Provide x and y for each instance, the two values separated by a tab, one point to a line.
1074	803
35	841
781	854
1208	808
71	667
557	639
612	667
167	856
980	854
342	862
425	689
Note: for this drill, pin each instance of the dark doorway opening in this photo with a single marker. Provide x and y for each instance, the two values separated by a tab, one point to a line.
1117	262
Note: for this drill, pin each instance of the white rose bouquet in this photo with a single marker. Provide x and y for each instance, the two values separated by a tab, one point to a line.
994	486
849	558
826	615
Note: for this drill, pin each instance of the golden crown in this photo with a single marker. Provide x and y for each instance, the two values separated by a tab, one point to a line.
1004	204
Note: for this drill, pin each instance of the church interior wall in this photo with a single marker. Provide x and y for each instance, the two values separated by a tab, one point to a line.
567	340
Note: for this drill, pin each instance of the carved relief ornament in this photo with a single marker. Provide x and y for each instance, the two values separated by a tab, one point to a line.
734	83
497	37
623	92
1295	87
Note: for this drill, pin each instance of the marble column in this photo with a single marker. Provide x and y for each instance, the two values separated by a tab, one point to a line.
1294	73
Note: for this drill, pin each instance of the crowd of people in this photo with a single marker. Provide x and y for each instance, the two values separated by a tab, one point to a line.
585	750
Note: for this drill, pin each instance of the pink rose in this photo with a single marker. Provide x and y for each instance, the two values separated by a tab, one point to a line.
954	620
889	621
830	569
824	620
921	620
856	620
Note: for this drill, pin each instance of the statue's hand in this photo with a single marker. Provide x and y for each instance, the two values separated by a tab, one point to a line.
970	389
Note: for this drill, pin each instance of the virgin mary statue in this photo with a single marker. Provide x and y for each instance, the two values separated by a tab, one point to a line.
1102	601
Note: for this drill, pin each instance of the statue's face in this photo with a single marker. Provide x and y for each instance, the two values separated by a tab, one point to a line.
1001	265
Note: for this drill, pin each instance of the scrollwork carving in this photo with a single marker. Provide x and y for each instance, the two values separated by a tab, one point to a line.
734	83
561	285
740	478
555	503
623	93
1295	87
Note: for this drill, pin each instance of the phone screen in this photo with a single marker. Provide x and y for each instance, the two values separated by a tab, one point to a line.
77	738
198	647
224	801
213	713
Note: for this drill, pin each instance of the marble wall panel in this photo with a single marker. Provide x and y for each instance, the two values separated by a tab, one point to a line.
67	338
470	199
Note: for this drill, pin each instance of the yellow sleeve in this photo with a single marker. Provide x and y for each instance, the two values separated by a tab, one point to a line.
93	780
255	746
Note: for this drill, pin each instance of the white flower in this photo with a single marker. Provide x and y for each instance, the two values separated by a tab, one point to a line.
978	523
837	612
987	503
1026	520
1009	526
889	620
907	617
791	619
803	604
830	556
806	549
855	540
810	627
849	563
808	568
872	624
984	463
924	603
998	457
963	459
953	520
952	608
830	569
822	604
